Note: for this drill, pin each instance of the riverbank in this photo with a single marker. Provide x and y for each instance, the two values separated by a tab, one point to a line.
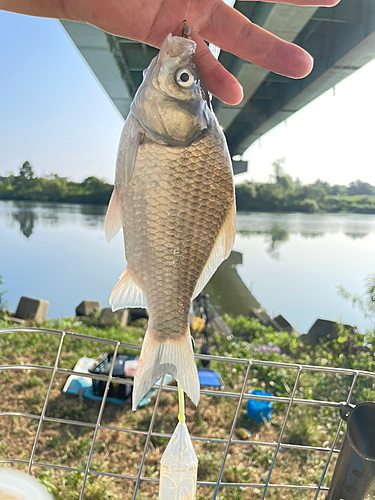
282	195
313	198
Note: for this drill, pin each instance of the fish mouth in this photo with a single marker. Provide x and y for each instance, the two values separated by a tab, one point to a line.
176	46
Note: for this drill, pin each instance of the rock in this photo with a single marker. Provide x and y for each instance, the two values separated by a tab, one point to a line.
32	309
284	324
108	317
81	318
17	321
326	329
137	313
273	324
261	315
86	307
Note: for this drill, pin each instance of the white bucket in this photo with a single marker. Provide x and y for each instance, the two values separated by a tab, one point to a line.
15	485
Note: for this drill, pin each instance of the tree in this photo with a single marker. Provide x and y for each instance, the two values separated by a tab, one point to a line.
313	192
282	179
324	185
366	304
26	171
56	187
286	182
278	167
245	196
308	206
359	187
338	190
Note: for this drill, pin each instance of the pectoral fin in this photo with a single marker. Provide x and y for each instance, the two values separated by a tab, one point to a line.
131	136
113	219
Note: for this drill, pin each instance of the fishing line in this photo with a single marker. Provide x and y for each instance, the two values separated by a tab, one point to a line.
186	30
187	8
181	404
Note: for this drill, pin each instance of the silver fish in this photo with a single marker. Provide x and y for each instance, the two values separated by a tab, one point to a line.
174	200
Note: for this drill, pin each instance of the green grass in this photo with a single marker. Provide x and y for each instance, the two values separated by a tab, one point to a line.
65	444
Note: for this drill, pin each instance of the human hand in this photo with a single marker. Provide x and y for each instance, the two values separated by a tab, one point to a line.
149	21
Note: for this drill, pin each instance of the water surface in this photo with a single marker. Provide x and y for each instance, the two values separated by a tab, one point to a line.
292	263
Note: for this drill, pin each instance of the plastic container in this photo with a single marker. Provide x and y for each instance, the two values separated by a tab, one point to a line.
259	410
15	485
103	366
179	464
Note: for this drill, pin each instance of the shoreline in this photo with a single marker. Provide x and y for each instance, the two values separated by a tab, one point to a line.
253	211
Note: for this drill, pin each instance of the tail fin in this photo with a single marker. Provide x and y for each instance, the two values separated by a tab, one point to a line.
160	356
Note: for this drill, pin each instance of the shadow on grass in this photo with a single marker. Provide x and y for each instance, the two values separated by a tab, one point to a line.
77	408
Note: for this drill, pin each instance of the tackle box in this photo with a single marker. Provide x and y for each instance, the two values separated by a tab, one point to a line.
103	366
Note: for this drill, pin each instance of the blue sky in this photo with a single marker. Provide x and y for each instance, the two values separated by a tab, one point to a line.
53	111
55	114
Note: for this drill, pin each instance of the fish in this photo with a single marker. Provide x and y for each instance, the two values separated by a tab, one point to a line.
174	199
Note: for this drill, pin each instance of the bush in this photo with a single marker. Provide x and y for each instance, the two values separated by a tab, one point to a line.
308	206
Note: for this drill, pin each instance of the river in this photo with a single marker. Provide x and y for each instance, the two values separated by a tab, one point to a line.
292	263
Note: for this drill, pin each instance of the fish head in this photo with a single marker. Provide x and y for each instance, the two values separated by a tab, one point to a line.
172	102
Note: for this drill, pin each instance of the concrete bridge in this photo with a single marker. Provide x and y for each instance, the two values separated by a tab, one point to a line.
341	40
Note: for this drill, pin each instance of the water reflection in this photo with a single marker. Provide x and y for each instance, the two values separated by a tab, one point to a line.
26	220
311	225
278	235
278	228
356	236
93	214
312	235
27	215
30	215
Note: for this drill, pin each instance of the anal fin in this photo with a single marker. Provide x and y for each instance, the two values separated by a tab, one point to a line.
127	293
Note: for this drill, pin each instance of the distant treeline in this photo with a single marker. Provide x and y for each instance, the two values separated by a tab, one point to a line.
281	195
25	186
286	195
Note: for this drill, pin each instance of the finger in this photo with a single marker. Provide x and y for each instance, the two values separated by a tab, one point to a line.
305	3
233	32
218	80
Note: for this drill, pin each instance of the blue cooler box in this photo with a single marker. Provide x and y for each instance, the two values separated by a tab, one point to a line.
259	410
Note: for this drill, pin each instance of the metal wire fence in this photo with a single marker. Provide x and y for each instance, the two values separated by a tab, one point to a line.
90	473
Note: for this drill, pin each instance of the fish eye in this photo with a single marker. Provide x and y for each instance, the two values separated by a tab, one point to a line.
184	77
